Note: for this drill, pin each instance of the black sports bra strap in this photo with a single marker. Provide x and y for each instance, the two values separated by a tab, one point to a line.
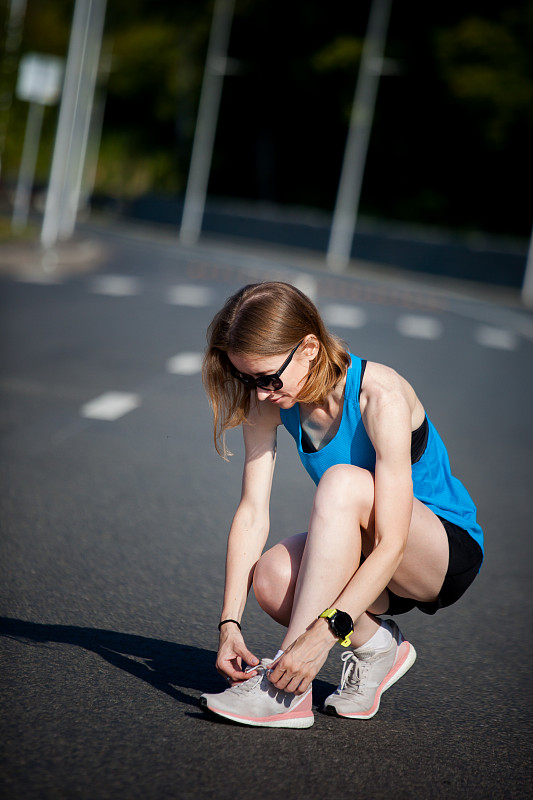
419	440
363	367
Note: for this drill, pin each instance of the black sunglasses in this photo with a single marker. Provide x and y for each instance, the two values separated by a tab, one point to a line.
265	381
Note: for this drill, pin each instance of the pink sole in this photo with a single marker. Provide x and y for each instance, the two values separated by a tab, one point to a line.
405	659
303	712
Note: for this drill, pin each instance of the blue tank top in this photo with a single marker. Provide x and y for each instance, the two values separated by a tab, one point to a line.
433	483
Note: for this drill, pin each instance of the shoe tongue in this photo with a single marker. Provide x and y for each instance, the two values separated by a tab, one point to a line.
363	655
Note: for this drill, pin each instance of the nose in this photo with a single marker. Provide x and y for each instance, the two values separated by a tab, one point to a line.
262	394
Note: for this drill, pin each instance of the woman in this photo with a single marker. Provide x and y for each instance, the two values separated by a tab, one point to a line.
390	529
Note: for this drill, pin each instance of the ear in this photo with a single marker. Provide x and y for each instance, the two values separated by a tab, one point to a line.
310	347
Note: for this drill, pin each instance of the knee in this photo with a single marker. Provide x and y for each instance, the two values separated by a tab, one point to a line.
272	576
345	488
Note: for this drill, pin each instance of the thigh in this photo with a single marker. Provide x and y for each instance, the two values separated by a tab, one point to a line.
425	561
466	558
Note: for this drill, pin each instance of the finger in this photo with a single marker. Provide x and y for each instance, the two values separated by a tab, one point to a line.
303	686
248	656
279	677
287	682
279	668
234	672
296	684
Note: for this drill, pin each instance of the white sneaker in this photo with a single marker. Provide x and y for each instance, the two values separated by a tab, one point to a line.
258	702
367	674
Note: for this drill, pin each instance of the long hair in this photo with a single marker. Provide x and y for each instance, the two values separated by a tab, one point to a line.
265	319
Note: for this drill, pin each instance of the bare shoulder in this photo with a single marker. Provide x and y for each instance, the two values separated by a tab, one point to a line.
263	415
260	427
260	432
385	389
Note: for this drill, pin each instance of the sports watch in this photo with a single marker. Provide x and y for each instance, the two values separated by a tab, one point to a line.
340	623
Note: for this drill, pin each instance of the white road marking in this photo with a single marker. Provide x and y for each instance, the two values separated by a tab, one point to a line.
499	338
186	295
40	278
115	285
344	316
418	327
185	364
110	406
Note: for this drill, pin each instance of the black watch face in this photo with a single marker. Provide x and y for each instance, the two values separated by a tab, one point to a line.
342	623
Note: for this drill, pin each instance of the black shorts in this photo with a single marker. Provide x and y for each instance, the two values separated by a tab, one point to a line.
466	557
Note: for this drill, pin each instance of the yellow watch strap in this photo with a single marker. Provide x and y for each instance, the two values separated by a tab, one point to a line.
328	613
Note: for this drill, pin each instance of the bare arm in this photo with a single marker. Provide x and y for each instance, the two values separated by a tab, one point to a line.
388	409
248	534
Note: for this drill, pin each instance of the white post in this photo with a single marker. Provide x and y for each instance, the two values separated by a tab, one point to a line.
71	198
347	203
527	285
71	137
26	176
206	123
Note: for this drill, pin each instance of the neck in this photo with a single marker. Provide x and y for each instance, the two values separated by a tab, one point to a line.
333	401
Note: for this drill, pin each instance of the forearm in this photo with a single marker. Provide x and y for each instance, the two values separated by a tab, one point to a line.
246	540
393	511
372	577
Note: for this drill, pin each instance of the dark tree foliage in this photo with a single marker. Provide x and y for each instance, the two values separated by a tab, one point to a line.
453	120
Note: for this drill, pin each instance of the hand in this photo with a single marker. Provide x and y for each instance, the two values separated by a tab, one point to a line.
232	651
301	661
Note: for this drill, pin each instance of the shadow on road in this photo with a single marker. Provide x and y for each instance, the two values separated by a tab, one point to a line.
164	665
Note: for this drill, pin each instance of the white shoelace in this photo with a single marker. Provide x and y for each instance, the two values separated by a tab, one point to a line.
353	671
251	683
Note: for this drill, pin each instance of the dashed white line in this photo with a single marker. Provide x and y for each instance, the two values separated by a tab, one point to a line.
185	364
116	285
186	295
498	338
418	327
344	316
110	406
43	278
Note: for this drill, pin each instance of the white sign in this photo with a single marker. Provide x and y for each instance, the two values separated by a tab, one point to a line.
40	79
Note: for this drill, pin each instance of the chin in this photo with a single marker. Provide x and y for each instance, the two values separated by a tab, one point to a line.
284	402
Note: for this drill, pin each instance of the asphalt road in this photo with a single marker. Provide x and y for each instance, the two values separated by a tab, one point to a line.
114	516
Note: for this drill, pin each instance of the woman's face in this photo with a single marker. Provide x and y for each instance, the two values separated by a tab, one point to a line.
293	376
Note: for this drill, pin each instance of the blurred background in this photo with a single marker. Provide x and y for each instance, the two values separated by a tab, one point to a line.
449	152
156	156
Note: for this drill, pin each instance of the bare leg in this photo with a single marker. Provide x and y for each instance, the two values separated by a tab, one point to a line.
333	550
314	569
298	578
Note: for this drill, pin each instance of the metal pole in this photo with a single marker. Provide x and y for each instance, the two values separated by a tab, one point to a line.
65	125
71	198
206	123
347	203
76	103
30	149
527	285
